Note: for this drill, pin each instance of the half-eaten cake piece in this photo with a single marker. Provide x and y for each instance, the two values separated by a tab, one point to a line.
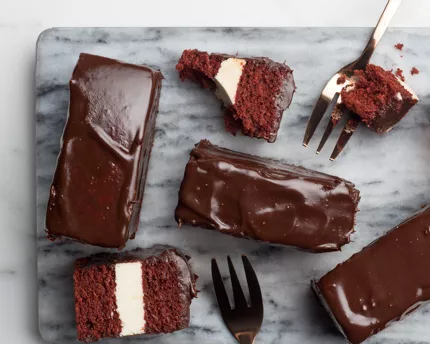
255	91
131	293
378	97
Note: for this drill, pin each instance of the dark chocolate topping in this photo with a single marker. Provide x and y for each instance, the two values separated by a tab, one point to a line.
383	283
262	199
98	185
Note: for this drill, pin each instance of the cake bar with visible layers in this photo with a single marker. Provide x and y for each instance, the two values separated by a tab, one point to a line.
98	185
378	97
255	91
383	283
262	199
131	293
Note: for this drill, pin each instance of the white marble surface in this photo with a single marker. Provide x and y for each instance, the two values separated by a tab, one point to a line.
21	21
391	171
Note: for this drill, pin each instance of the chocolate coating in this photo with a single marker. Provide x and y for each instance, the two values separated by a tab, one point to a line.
383	283
262	199
98	185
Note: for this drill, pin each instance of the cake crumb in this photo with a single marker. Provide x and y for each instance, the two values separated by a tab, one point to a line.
399	74
341	80
414	71
399	46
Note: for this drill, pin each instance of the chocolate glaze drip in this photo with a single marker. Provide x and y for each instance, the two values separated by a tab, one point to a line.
98	185
383	283
262	199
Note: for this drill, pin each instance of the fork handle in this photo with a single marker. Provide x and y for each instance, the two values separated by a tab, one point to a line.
384	20
245	338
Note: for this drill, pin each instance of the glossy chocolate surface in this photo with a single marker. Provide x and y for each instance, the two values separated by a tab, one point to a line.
384	282
262	199
98	184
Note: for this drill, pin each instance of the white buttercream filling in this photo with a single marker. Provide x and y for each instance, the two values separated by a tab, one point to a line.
129	297
227	79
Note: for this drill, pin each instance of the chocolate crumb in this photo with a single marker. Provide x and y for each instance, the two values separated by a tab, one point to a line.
341	80
414	71
399	74
399	46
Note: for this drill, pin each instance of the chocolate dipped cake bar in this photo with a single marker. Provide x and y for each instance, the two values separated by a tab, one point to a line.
255	91
98	185
131	293
383	283
262	199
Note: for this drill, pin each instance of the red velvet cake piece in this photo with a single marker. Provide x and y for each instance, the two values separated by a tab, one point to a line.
255	91
378	97
133	293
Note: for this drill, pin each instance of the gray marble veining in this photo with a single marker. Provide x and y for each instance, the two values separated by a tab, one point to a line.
391	171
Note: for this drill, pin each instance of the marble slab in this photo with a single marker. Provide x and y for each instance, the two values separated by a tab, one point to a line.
392	171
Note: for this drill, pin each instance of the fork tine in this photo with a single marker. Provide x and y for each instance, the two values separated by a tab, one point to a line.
336	115
253	285
315	119
346	134
220	292
239	297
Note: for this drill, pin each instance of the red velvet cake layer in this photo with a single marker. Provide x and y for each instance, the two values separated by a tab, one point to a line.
95	299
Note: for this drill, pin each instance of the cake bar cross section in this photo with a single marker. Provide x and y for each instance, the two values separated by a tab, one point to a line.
255	91
133	293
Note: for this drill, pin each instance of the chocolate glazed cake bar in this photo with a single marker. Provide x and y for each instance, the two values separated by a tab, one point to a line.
262	199
137	292
383	283
98	185
255	91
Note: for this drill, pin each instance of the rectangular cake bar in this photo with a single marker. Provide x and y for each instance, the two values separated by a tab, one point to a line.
383	283
98	185
137	292
262	199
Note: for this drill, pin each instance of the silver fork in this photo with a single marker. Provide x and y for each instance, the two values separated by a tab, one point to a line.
243	320
331	91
